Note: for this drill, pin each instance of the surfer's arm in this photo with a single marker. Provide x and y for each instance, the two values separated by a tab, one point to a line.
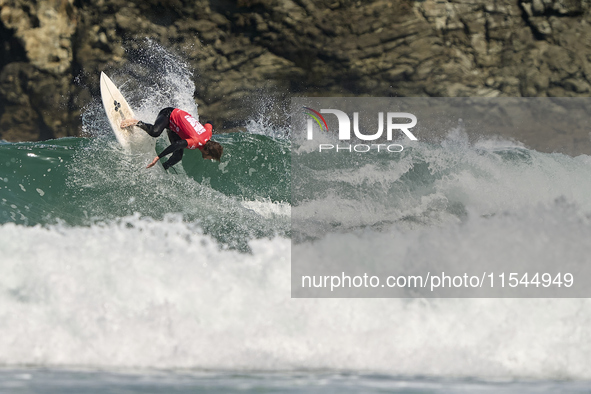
174	147
180	144
153	163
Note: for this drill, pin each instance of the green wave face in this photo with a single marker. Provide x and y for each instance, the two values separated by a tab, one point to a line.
81	181
252	167
33	181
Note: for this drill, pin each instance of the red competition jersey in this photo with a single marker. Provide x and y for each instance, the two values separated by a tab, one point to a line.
189	129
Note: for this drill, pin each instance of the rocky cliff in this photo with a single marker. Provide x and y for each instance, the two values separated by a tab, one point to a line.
53	50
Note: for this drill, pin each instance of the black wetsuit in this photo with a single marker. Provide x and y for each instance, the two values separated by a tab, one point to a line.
177	145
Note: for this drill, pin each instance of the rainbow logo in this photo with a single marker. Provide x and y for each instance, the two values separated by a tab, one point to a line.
315	114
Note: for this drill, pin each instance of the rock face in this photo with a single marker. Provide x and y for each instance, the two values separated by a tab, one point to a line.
36	61
53	50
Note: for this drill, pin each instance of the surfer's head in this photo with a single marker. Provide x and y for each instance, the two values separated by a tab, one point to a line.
212	150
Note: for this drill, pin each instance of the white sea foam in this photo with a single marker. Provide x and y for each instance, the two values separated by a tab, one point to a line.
168	82
157	294
438	183
268	209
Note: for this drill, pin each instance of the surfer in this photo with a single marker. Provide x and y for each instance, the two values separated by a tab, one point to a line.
183	132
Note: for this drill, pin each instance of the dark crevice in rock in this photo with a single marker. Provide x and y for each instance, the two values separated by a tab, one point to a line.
224	7
164	17
487	36
539	36
465	27
45	133
11	49
32	16
76	76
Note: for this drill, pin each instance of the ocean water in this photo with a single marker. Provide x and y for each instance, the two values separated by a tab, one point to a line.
119	279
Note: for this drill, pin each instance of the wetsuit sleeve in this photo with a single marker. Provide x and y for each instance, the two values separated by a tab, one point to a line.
159	125
180	144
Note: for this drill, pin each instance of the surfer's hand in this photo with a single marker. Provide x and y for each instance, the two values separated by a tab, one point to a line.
153	163
128	122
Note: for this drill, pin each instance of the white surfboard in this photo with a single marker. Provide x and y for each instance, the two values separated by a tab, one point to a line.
133	139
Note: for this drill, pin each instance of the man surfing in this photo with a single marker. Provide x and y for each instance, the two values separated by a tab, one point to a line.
183	132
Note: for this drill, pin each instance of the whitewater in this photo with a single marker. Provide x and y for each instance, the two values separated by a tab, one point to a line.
114	277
